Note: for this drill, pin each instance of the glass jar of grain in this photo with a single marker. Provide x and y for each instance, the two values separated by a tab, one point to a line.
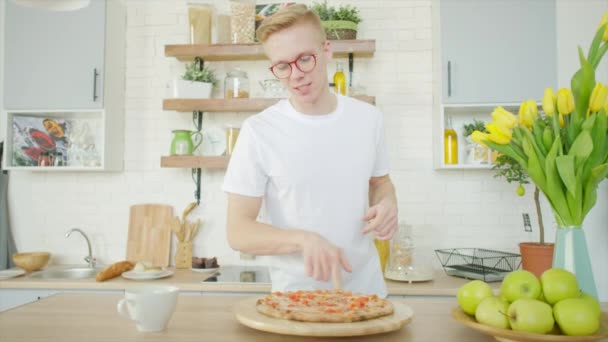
242	21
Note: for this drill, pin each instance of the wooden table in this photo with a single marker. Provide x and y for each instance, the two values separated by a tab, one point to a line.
93	317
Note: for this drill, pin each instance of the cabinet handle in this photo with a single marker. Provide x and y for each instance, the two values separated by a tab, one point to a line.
449	78
95	74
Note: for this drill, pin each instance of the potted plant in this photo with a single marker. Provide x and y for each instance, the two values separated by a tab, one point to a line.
339	23
564	150
475	153
196	83
536	257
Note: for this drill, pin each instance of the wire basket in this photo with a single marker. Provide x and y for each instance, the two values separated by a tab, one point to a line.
478	263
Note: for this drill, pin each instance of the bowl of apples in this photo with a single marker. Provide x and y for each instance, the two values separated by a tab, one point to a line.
551	308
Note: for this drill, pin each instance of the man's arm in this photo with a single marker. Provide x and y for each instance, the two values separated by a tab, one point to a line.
247	235
322	260
382	215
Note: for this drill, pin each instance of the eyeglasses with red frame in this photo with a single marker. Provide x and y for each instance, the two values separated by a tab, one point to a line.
305	63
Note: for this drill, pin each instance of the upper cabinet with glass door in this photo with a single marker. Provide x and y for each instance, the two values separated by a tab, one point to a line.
54	59
497	51
64	84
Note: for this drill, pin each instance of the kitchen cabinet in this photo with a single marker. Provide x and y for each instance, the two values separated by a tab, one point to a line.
234	52
488	53
54	59
16	297
12	298
497	51
67	68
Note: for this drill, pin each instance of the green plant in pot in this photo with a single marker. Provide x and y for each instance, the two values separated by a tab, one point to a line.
564	150
536	257
475	153
196	82
339	23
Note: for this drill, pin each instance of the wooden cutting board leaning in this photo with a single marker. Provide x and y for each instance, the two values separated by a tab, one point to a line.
150	234
247	314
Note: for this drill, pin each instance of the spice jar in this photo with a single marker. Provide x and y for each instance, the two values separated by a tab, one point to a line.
242	21
236	84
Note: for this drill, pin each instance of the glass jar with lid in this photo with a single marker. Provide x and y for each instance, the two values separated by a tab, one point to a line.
236	84
402	250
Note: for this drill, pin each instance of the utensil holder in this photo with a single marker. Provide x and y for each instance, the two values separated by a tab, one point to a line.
183	255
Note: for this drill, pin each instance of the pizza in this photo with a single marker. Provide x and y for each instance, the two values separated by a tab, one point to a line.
331	306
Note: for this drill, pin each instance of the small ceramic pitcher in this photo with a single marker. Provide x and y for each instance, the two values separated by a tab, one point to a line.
183	144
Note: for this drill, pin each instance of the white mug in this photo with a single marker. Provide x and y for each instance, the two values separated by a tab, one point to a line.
150	307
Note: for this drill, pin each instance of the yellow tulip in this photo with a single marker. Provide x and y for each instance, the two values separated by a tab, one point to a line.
562	123
565	101
479	137
603	22
598	97
504	118
528	111
549	102
499	134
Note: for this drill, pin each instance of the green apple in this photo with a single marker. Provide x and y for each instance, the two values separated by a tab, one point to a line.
492	311
576	317
520	284
471	294
531	315
559	284
541	296
502	297
593	302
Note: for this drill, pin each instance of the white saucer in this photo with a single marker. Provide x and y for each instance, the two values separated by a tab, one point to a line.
11	273
412	275
205	270
147	275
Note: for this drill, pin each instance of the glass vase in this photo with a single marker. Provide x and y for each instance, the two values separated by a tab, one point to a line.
571	253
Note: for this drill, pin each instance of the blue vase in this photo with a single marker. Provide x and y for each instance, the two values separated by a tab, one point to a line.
571	253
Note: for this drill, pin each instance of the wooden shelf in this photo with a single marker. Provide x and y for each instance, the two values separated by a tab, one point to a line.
195	162
231	105
233	52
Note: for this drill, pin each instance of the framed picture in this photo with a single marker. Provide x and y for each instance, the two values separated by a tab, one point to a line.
39	140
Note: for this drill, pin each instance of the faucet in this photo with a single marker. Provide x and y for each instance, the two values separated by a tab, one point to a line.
89	258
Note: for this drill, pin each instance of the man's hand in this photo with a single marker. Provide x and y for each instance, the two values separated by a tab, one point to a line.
323	261
382	220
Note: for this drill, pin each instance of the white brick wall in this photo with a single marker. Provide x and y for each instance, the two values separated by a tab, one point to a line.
446	208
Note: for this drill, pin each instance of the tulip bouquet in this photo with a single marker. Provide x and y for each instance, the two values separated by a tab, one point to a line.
564	149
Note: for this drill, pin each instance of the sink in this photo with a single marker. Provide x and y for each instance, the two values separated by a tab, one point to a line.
66	273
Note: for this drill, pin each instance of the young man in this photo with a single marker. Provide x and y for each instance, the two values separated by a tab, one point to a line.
318	161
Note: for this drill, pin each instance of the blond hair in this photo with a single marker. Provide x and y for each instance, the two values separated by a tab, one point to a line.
288	17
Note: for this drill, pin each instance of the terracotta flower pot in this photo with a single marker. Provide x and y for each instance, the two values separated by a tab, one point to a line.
535	257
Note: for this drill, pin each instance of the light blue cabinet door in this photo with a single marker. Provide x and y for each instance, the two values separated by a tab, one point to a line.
497	51
54	60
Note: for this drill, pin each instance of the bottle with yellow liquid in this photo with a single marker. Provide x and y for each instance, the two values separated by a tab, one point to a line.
384	249
340	80
450	144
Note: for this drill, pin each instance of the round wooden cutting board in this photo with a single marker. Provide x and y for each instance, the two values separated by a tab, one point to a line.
247	314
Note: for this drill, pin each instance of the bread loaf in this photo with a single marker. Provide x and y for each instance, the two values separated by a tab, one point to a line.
114	270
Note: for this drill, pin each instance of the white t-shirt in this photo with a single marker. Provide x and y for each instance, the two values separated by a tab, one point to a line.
313	173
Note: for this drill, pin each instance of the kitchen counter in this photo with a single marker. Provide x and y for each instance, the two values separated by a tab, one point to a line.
93	317
188	280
